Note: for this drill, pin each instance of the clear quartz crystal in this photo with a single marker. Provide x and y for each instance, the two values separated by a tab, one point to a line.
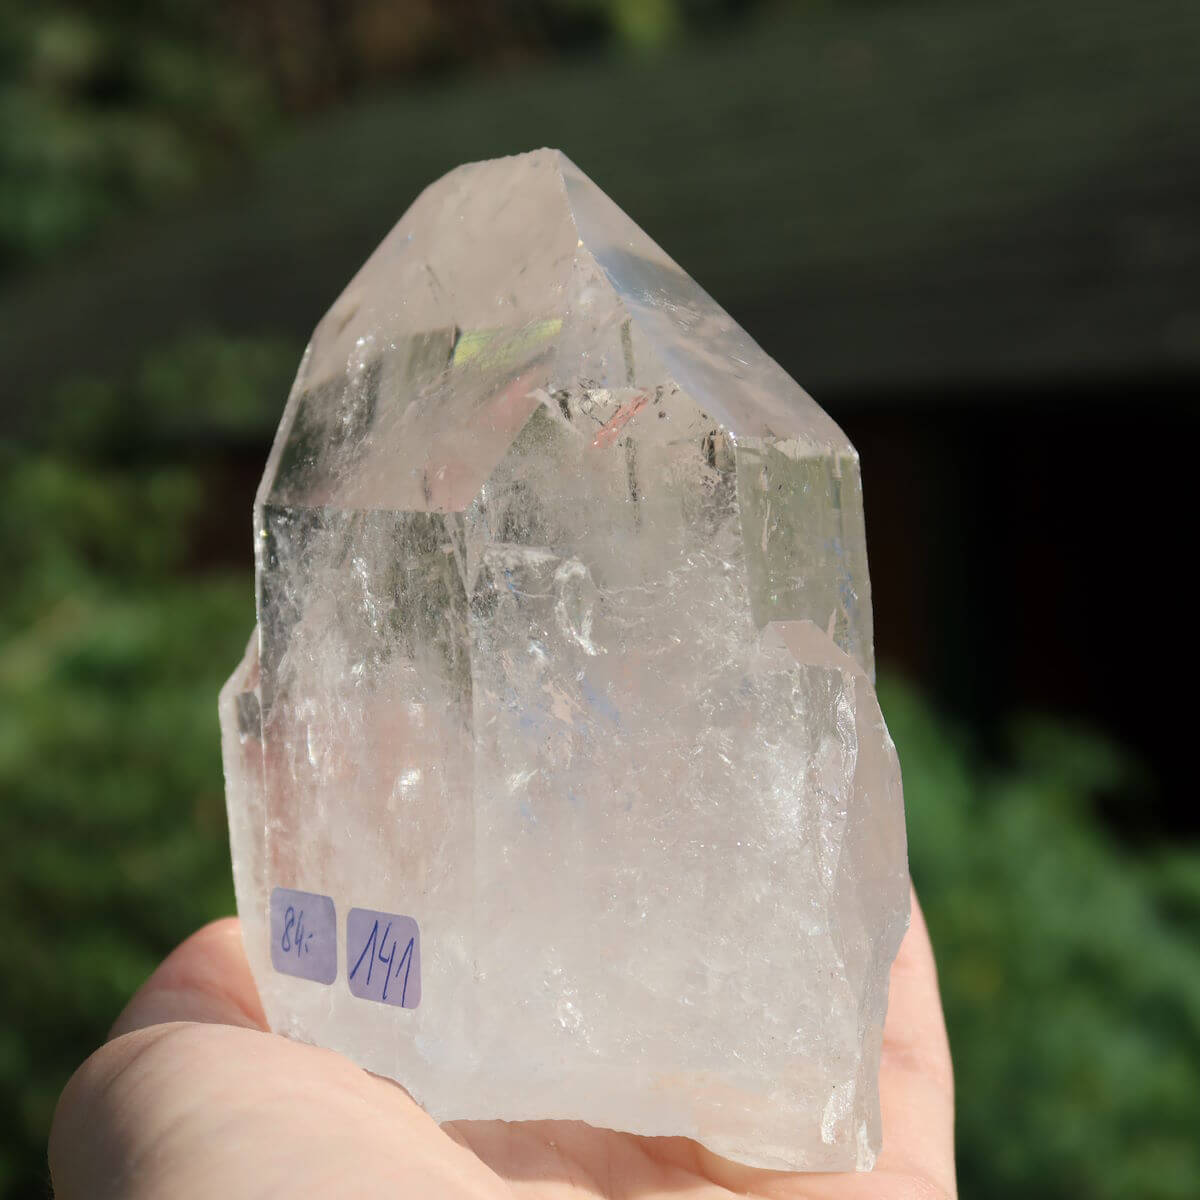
564	652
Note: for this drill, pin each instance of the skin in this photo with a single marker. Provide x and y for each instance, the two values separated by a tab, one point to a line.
192	1097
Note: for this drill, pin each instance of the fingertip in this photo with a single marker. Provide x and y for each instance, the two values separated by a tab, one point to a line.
916	1079
206	978
914	1032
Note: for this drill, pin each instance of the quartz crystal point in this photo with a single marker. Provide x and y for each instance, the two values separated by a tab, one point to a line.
557	783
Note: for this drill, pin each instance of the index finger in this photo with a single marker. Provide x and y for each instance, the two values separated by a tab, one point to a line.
916	1079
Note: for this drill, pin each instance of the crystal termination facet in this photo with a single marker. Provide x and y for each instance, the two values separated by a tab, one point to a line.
564	657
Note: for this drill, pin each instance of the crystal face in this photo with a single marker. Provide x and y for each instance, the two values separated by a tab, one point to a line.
561	696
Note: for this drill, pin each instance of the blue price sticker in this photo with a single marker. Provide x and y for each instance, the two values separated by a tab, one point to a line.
383	957
303	935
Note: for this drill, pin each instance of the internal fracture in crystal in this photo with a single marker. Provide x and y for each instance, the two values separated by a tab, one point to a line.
557	742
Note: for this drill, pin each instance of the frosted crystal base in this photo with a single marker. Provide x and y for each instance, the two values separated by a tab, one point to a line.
557	783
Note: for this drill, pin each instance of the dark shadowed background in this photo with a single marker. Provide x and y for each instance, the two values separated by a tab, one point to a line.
971	230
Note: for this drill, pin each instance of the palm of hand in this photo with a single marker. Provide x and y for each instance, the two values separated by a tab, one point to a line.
192	1098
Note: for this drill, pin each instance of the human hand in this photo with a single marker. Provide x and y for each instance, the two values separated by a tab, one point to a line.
192	1097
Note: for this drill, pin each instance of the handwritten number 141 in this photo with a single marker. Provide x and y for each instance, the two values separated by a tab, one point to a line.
378	949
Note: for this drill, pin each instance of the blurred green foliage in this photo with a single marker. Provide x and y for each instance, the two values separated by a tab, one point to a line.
1070	965
112	828
202	389
106	109
103	111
